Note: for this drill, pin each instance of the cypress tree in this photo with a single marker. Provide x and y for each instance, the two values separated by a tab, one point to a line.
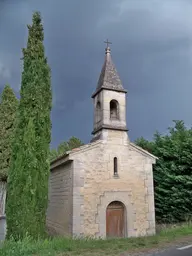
8	108
27	190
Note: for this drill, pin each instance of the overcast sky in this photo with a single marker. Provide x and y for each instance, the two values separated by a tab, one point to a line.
152	51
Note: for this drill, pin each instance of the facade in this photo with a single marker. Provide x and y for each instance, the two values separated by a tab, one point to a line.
105	188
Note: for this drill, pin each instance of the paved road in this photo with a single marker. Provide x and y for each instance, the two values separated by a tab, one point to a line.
181	251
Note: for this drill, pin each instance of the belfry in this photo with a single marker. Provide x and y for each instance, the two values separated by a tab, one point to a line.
109	100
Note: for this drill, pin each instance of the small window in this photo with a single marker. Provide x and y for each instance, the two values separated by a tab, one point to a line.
114	109
115	167
98	112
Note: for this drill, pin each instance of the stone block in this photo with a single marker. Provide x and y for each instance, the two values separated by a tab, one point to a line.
93	187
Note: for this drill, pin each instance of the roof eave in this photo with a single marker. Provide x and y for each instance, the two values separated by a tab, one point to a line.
109	89
144	151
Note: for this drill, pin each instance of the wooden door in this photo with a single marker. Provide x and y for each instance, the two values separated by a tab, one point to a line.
115	220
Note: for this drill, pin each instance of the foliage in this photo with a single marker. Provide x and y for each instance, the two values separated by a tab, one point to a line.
8	108
65	146
172	172
27	189
53	154
145	144
97	247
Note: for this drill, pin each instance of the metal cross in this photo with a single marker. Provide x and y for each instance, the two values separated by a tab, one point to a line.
107	42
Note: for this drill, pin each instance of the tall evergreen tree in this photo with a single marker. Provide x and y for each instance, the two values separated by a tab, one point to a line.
8	108
27	188
172	173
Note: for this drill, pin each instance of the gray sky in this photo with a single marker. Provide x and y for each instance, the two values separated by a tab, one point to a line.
152	51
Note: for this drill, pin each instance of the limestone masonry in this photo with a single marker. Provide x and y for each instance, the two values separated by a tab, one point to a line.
105	188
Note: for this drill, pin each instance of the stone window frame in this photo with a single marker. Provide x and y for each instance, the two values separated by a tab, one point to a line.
98	111
115	167
115	107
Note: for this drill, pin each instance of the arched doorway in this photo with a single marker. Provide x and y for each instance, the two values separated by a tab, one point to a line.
115	220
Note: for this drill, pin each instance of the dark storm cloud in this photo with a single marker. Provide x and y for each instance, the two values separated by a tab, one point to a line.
151	49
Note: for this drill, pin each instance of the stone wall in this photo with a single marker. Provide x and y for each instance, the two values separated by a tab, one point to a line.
2	210
105	97
2	198
59	212
120	97
96	186
2	228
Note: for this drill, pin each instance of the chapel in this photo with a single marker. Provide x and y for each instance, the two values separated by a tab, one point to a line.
105	188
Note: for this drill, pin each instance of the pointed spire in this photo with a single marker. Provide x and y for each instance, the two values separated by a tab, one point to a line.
109	78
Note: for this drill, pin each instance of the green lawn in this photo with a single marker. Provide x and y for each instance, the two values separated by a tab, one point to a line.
112	247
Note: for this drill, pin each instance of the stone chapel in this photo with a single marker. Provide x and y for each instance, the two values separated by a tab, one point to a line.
105	188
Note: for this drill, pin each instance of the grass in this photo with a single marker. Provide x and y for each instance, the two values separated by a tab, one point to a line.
85	247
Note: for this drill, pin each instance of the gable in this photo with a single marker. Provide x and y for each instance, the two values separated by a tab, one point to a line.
143	152
67	157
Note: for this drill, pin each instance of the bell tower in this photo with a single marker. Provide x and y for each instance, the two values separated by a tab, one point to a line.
109	100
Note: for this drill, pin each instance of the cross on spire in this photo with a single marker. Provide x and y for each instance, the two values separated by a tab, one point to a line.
107	42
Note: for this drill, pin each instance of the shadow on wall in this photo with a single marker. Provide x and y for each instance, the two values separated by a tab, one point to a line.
2	228
2	210
2	198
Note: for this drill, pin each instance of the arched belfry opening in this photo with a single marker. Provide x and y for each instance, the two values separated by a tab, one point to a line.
115	219
114	109
98	112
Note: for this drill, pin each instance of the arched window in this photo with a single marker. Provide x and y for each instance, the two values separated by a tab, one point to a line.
114	109
98	112
115	170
